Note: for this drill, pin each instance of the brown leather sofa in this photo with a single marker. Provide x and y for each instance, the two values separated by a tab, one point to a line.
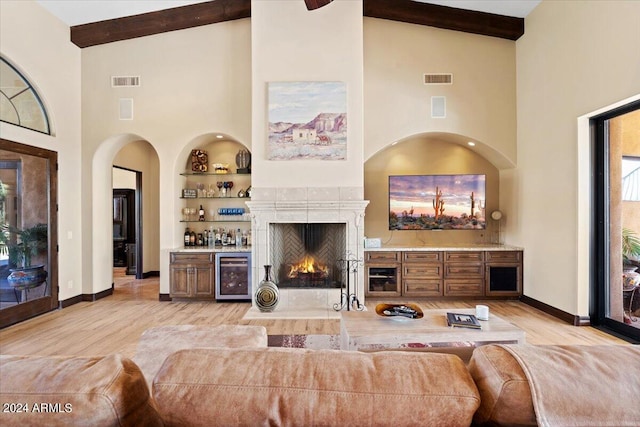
241	387
277	386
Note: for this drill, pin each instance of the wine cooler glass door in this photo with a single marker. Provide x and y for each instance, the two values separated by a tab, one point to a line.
233	276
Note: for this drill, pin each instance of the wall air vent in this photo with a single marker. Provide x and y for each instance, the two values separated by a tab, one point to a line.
125	81
438	79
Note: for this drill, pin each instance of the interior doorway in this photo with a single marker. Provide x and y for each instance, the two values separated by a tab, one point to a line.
127	221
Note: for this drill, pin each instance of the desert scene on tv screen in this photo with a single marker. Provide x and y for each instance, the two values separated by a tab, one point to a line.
437	202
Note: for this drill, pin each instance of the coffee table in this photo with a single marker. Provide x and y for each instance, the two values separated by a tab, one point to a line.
367	331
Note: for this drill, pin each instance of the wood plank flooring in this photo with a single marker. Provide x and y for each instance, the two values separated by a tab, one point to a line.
115	323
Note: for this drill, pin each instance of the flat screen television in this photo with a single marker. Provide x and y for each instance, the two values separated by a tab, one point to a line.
437	202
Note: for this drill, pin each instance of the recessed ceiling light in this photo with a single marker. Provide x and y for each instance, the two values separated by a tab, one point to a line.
219	136
471	144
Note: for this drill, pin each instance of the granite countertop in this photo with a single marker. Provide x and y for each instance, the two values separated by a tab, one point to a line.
450	247
215	249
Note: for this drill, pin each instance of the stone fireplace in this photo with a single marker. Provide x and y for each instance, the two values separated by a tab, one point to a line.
293	225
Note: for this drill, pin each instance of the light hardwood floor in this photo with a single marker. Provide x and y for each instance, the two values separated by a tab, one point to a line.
115	323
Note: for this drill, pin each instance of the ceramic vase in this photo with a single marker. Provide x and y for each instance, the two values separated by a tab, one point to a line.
28	277
266	297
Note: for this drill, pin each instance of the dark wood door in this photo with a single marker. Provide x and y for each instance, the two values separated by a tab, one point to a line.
34	196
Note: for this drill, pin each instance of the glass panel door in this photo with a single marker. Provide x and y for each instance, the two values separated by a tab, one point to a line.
617	220
28	265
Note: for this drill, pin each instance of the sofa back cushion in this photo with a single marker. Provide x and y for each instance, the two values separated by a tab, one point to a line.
296	387
503	386
74	391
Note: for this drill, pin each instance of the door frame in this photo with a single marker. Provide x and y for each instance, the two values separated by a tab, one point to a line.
137	221
28	309
600	221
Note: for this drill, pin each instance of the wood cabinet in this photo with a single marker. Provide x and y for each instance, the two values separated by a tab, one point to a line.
422	274
503	274
447	274
383	274
192	275
464	273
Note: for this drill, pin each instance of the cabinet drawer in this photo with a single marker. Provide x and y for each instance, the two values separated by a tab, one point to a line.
383	256
463	270
463	287
510	256
421	256
466	256
191	258
422	270
422	288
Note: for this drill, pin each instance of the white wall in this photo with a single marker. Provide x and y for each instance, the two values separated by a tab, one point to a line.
574	58
290	43
194	82
38	44
123	178
480	104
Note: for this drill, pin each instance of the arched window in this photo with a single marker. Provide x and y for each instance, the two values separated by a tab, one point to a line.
19	102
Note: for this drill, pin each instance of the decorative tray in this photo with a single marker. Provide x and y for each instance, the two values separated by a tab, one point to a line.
400	311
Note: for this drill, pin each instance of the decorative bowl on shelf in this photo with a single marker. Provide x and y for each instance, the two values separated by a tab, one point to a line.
399	311
221	167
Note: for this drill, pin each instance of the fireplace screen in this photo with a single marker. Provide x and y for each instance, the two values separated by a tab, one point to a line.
307	255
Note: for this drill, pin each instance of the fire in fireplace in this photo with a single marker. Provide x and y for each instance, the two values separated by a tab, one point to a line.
307	255
308	272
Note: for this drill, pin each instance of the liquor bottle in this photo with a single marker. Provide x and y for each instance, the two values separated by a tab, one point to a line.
212	238
199	238
187	237
225	238
192	238
201	214
238	238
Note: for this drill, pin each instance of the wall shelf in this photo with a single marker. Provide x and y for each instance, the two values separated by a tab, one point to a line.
219	220
213	174
214	198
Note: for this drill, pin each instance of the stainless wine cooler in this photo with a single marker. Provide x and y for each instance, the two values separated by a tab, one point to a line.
233	276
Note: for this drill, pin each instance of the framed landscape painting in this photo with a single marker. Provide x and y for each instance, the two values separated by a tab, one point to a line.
307	121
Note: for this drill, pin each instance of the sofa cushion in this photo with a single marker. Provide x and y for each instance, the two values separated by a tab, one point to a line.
503	386
157	343
566	385
74	391
302	387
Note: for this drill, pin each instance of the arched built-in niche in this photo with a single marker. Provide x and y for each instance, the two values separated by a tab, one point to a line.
220	148
429	154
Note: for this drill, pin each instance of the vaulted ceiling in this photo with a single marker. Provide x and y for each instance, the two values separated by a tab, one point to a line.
90	23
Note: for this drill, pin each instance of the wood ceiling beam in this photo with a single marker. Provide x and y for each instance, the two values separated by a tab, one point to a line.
211	12
146	24
316	4
449	18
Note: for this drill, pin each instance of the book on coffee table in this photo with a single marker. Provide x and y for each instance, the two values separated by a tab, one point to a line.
459	320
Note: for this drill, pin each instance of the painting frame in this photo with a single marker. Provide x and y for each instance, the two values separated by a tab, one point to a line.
307	120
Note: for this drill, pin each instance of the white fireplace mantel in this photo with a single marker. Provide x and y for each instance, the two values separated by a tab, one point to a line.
307	205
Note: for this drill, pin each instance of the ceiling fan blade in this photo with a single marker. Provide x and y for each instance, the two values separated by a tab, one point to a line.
316	4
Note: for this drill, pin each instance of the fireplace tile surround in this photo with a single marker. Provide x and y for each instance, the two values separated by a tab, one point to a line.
268	206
